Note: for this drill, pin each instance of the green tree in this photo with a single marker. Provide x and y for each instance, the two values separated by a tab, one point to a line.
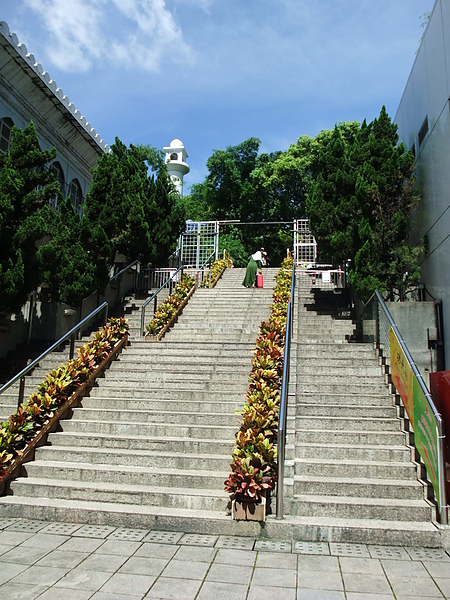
360	203
140	217
26	186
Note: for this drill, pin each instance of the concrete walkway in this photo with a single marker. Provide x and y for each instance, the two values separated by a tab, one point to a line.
59	561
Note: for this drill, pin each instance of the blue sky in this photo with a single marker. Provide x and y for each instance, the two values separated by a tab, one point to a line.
216	72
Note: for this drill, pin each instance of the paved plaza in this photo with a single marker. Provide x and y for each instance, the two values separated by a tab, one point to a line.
58	561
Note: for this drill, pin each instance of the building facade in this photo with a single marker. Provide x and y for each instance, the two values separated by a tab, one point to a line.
27	93
423	119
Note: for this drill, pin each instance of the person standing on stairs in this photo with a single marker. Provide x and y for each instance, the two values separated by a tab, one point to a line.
252	268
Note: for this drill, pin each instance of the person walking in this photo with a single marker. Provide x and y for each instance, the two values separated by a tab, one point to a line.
252	268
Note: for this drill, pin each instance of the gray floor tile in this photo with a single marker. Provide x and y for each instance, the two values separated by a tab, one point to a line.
393	552
272	546
223	591
130	535
57	528
26	556
236	543
195	539
105	596
163	537
81	579
366	596
229	574
94	531
272	560
181	569
230	556
284	578
9	571
125	583
318	563
59	558
28	526
428	554
40	575
436	568
141	565
65	594
154	550
406	568
45	540
79	544
265	592
197	553
355	550
320	580
321	548
118	547
321	595
14	538
21	591
7	521
415	588
443	584
174	589
361	565
106	563
366	582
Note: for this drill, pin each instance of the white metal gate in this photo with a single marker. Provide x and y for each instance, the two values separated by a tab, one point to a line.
305	246
198	242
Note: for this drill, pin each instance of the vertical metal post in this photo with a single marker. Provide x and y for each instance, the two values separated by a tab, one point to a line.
72	346
21	390
155	304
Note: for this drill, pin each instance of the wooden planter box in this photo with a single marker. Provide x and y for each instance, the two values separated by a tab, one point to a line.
40	437
249	511
173	320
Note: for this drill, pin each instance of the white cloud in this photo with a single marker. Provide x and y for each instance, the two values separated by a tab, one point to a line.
141	34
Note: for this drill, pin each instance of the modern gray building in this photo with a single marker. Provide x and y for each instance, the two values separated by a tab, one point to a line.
27	93
423	119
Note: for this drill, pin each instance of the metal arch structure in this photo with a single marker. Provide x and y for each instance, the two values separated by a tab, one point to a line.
198	242
201	239
305	245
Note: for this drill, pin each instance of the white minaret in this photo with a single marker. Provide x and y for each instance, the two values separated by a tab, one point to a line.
176	164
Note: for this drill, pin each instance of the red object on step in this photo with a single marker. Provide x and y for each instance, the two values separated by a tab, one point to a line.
259	280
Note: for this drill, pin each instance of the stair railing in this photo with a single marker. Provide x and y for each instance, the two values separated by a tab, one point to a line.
205	268
377	322
72	335
282	419
168	283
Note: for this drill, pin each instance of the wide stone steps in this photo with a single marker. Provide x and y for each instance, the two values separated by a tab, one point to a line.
142	442
115	493
359	487
345	507
348	468
347	423
194	407
385	438
337	410
353	452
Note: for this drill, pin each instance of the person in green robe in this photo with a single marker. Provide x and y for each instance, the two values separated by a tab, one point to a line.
252	268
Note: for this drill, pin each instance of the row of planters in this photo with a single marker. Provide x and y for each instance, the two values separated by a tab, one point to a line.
254	458
168	311
29	425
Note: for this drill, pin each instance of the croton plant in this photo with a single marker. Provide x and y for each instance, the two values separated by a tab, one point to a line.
57	387
254	458
167	309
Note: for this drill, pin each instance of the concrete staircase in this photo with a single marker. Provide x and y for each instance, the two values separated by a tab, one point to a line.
151	446
349	474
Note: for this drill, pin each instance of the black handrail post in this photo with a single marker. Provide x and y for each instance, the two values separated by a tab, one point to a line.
72	346
155	304
21	390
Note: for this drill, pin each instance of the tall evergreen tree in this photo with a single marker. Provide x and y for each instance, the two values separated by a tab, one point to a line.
26	186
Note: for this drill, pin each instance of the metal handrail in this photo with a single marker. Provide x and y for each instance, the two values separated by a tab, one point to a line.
439	421
70	334
208	262
155	297
282	419
125	269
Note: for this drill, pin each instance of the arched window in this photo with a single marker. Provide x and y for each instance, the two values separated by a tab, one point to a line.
76	195
174	156
59	176
6	125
